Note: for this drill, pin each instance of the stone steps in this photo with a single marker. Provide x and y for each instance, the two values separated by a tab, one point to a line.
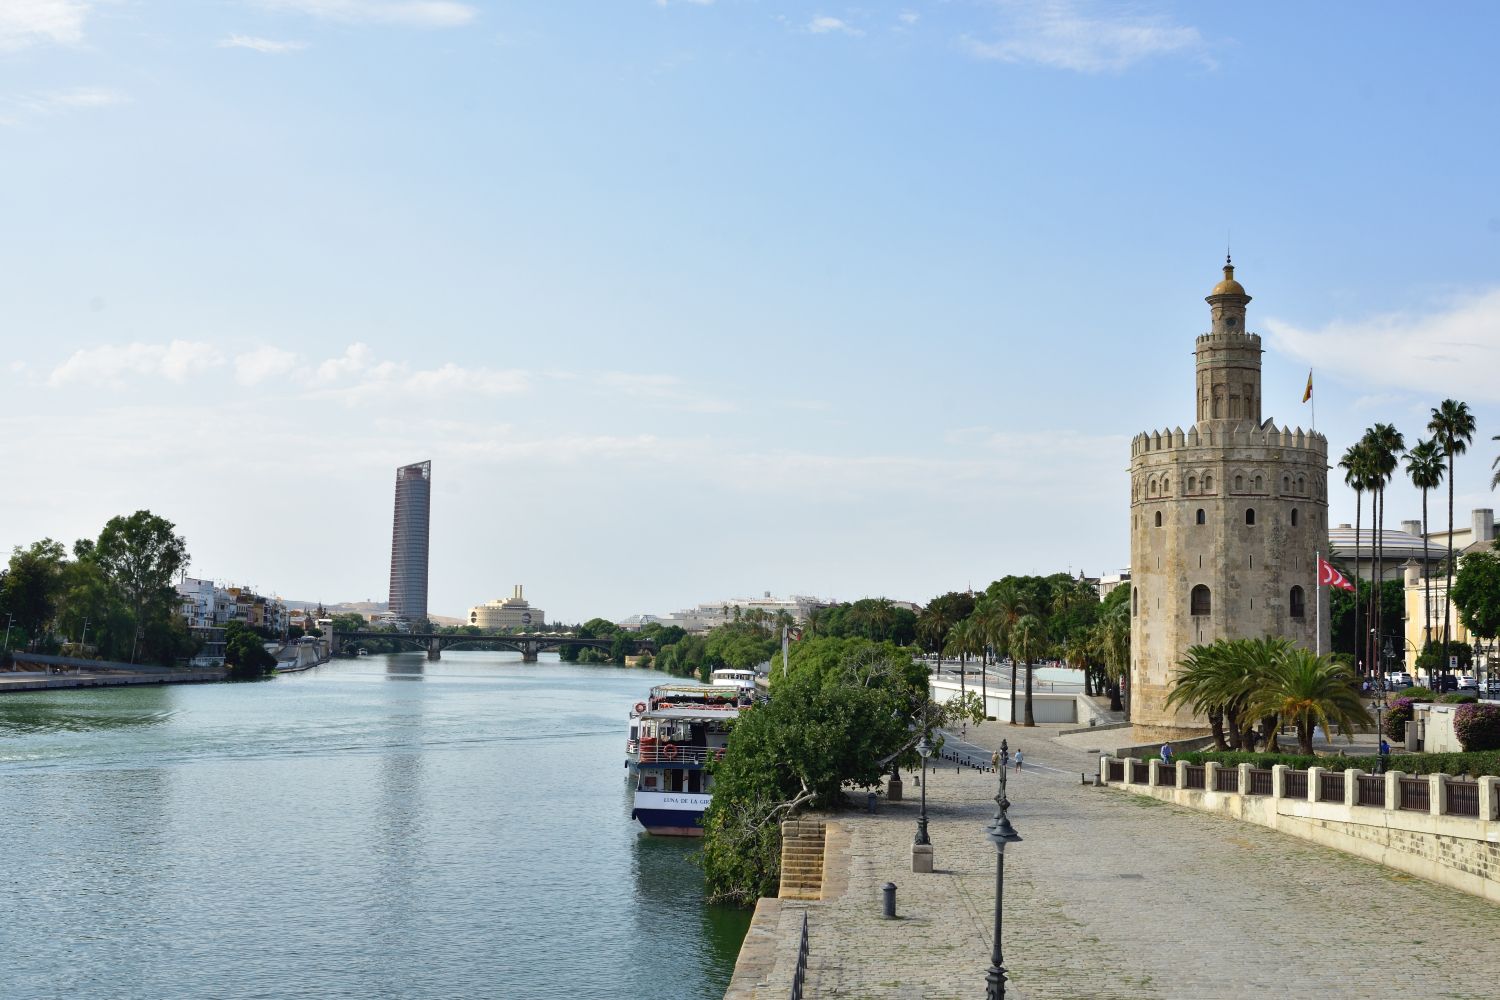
802	859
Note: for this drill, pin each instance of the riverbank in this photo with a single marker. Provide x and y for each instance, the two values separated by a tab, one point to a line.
36	672
1107	895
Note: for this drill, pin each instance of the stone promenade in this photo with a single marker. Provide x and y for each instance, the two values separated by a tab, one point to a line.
1115	895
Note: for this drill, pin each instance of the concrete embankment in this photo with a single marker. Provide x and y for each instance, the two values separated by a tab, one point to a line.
36	672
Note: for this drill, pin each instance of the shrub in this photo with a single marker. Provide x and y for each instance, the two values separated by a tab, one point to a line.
1478	727
1475	762
1416	694
1454	698
1397	714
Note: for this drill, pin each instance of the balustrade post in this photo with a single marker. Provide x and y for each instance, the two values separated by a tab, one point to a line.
1314	783
1179	774
1210	776
1393	790
1351	786
1104	760
1437	786
1244	778
1153	773
1488	786
1278	780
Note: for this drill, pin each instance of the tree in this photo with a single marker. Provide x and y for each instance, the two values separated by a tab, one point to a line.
1026	640
1476	594
1007	606
1452	427
940	615
1111	637
1310	690
1424	465
1220	679
964	639
1356	466
1383	443
245	653
33	584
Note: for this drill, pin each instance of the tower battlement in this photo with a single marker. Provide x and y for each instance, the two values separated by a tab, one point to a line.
1212	434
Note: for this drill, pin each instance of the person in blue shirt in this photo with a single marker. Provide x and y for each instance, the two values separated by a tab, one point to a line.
1166	753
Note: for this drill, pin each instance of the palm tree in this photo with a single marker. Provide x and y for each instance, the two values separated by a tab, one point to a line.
963	639
1009	607
1200	684
933	625
1355	464
1113	638
1452	426
1384	443
1026	639
1424	464
1310	689
1495	479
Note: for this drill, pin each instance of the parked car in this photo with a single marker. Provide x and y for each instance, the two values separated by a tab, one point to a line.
1468	681
1400	679
1446	683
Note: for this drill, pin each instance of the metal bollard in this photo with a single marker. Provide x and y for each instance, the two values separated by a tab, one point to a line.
889	903
870	801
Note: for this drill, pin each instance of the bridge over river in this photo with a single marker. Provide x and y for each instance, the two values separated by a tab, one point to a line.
529	644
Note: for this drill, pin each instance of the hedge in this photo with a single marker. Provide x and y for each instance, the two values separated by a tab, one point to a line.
1478	727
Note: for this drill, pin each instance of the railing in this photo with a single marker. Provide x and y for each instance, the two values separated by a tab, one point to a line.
1294	784
1331	787
1227	779
1193	778
674	753
1116	770
799	978
1140	772
1463	798
1415	794
1260	781
1370	791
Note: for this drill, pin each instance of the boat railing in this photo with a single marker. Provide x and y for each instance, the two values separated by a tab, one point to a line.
674	753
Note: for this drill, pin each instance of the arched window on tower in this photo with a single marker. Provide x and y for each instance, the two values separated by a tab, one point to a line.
1208	483
1158	519
1202	517
1239	484
1135	601
1286	484
1202	601
1250	515
1259	484
1301	486
1192	484
1298	603
1294	517
1166	485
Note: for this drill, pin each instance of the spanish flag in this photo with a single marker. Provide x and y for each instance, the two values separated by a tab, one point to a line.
1308	394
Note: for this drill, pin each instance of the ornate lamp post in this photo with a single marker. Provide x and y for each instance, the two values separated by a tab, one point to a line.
925	749
1000	833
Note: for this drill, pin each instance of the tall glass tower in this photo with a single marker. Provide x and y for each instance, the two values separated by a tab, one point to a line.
409	541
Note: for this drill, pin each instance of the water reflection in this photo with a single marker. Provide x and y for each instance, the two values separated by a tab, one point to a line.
66	711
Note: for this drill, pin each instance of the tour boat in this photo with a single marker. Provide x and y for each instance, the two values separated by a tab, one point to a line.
731	677
671	748
709	697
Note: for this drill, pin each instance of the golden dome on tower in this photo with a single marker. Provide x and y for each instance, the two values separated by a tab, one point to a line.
1228	286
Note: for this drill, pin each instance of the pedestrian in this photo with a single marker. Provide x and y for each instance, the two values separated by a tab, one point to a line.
1004	756
995	760
1166	753
1020	759
1385	748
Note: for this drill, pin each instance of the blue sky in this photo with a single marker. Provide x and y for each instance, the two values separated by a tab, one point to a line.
689	300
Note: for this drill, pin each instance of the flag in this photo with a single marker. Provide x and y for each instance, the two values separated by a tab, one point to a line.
1330	577
1308	394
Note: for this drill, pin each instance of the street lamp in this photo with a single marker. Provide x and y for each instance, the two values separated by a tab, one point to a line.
925	749
1000	833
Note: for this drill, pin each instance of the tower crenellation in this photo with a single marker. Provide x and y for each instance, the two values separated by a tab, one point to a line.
1226	518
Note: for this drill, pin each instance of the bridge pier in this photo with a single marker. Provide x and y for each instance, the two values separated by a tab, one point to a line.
434	648
530	652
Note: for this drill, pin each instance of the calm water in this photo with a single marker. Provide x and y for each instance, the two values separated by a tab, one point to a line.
381	827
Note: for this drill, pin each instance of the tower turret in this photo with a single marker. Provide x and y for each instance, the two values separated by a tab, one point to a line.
1228	357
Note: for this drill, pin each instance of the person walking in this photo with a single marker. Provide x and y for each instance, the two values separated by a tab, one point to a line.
1020	759
1166	753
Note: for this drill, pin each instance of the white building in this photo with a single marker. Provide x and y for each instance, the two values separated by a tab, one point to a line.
513	612
705	616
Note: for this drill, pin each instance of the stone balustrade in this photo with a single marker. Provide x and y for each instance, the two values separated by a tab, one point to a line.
1434	826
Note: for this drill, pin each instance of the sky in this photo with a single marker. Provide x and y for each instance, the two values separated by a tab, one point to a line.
695	299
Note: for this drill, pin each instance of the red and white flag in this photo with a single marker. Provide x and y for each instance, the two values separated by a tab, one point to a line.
1330	577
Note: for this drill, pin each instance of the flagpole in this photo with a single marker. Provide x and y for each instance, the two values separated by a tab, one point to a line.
1314	401
1318	611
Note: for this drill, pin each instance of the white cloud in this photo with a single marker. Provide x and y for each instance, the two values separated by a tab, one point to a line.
53	102
664	390
266	45
411	13
908	17
1056	33
1451	352
109	365
256	366
357	377
28	22
823	25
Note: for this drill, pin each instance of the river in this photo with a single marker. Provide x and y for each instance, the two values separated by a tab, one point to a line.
374	828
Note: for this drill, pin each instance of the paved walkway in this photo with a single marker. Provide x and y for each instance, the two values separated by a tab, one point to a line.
1114	895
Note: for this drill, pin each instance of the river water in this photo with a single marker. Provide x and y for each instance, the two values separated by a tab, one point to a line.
374	828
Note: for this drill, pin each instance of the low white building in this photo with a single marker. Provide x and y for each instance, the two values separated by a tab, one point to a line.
711	613
513	612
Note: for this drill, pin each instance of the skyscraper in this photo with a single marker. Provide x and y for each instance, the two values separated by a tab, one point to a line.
409	541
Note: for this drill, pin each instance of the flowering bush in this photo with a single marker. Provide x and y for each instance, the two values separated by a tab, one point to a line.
1478	726
1397	714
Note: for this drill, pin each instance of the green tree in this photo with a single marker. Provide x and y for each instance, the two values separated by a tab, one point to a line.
1476	593
1357	475
1452	427
1424	466
245	653
1384	443
141	556
1025	641
1309	690
33	584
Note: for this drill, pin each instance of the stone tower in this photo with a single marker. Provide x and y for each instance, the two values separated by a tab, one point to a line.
1225	520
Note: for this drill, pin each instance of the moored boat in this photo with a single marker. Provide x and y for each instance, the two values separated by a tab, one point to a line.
672	749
